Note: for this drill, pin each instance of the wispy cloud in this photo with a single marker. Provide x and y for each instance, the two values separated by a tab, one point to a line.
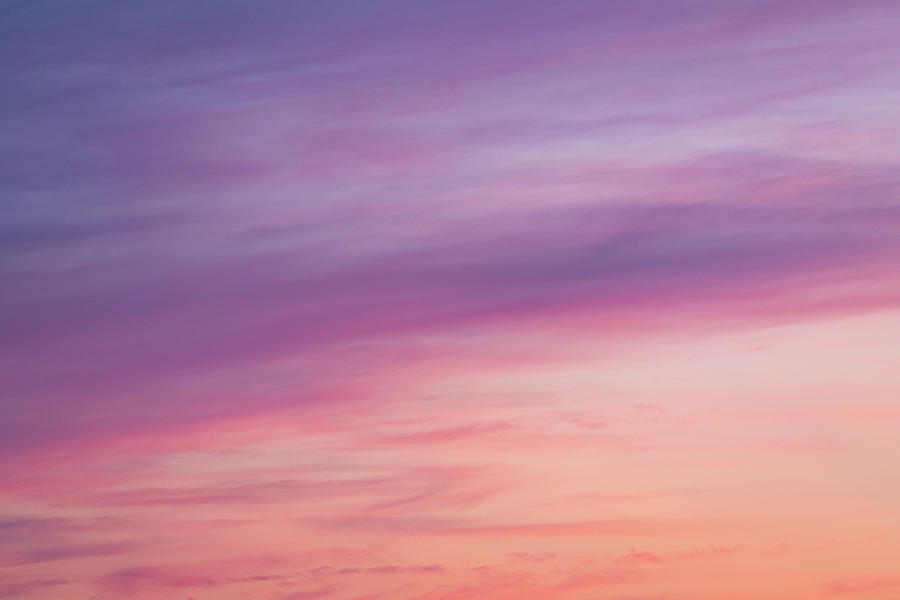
428	300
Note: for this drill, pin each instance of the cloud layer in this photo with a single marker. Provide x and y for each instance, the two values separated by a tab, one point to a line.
426	300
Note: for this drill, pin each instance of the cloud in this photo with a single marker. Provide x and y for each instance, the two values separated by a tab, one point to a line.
861	586
29	540
715	262
107	297
532	557
13	527
444	435
640	558
67	551
242	494
16	590
136	579
575	528
423	526
598	580
706	552
636	558
309	594
491	584
382	570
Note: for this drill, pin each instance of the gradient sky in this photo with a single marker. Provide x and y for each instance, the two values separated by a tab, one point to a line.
450	300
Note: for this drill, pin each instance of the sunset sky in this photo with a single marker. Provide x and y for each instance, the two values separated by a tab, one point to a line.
450	300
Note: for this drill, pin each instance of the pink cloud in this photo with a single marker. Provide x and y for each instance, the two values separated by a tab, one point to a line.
640	558
309	594
134	580
17	590
862	586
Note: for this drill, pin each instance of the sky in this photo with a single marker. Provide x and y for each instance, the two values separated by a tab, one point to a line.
432	300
